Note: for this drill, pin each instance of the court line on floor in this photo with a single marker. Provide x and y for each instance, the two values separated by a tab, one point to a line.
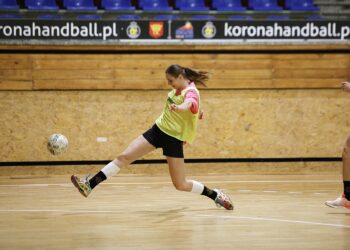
198	215
233	181
56	210
273	220
166	182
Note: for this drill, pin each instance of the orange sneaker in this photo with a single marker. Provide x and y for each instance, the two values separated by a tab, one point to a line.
340	202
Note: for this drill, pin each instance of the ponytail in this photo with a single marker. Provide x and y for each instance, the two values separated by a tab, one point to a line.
198	77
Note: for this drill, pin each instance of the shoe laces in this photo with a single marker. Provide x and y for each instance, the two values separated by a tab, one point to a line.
87	178
86	181
220	196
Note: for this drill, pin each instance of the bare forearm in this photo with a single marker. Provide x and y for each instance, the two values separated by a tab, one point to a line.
182	107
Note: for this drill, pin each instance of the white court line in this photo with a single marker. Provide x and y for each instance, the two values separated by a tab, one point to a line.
55	210
274	220
38	185
295	192
247	181
32	185
269	191
199	215
166	182
244	190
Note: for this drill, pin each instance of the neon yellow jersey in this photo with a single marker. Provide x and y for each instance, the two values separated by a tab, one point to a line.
181	125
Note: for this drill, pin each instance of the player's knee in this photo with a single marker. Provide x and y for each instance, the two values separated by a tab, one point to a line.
123	159
347	146
347	142
181	186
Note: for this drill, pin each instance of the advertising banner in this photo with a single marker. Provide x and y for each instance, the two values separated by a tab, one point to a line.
105	30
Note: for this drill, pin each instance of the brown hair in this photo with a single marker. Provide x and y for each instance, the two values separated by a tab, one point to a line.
198	77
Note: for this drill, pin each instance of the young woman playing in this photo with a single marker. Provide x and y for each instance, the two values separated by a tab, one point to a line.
344	200
174	127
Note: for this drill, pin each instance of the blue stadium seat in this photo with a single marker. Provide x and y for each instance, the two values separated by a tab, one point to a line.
10	16
41	4
301	5
89	17
191	5
277	18
264	5
49	17
202	17
8	5
155	5
117	5
228	5
165	17
79	5
129	17
238	18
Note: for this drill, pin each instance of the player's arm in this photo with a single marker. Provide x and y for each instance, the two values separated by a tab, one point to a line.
191	103
186	105
346	86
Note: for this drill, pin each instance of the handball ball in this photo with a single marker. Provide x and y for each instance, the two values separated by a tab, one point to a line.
57	144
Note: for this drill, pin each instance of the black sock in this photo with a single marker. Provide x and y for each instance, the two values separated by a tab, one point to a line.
347	189
209	193
98	178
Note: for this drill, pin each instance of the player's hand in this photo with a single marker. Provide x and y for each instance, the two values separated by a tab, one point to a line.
173	107
346	86
201	114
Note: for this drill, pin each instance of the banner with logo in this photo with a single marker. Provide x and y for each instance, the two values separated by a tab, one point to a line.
103	30
82	30
286	30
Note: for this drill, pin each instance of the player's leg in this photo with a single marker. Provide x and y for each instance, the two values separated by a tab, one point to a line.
178	177
137	148
346	167
344	200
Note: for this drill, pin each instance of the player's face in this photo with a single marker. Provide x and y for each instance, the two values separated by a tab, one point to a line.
175	82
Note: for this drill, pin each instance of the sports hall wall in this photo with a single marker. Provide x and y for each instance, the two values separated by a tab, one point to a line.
261	101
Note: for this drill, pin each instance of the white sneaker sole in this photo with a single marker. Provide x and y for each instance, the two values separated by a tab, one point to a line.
337	207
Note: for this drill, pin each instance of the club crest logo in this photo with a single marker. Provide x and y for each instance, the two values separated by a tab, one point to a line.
209	30
156	29
133	30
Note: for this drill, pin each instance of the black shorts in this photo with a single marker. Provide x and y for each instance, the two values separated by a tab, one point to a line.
171	146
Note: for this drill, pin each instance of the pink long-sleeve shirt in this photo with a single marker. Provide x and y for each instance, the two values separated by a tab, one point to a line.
191	96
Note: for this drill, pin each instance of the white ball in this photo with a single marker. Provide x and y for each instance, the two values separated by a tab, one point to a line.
57	144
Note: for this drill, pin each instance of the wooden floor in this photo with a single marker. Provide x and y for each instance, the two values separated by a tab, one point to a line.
138	212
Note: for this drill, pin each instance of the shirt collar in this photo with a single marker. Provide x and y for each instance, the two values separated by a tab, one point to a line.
178	91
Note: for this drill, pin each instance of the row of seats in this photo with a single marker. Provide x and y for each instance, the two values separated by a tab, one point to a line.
163	5
158	17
